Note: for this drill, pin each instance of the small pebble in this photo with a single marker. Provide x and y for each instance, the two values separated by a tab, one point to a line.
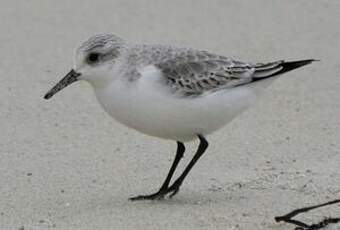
29	174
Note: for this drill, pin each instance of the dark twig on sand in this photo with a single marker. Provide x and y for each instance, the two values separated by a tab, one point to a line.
303	226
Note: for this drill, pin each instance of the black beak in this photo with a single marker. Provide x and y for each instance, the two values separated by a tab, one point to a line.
71	77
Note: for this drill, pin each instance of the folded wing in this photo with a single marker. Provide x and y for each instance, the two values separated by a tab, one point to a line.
203	72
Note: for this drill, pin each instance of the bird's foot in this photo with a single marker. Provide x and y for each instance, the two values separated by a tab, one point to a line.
155	196
172	190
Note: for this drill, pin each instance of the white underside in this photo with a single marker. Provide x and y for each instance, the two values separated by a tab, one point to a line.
148	106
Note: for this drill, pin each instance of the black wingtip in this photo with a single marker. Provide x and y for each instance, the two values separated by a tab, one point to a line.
283	68
290	65
296	64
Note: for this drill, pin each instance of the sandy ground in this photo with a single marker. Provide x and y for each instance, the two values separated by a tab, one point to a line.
65	164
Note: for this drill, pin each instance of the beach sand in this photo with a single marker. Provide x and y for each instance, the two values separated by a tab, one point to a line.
65	164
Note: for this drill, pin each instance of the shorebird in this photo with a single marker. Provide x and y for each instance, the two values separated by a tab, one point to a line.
174	93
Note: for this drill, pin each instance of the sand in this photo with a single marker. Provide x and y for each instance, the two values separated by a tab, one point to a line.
65	164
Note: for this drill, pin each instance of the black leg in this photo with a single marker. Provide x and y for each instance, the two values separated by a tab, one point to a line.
179	155
174	188
164	188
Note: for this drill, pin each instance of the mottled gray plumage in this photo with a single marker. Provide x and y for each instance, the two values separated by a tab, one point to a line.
193	72
185	71
200	71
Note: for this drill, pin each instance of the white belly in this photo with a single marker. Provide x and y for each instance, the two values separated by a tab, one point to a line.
146	106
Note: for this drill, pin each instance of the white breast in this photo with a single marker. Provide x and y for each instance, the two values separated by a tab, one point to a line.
148	106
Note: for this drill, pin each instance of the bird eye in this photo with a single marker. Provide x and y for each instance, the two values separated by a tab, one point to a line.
93	58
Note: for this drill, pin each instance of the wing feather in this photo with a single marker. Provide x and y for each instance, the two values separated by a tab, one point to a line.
204	72
192	72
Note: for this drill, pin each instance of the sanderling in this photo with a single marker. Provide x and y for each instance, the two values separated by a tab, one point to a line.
174	93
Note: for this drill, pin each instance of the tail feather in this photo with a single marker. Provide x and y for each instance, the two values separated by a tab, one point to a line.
263	71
